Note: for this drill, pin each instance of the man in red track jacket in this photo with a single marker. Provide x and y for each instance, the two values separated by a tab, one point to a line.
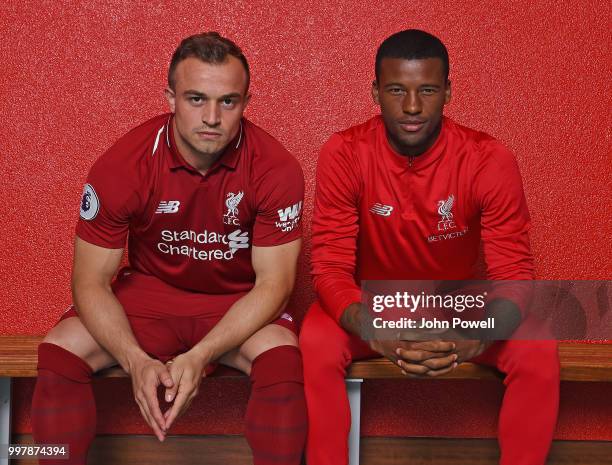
412	195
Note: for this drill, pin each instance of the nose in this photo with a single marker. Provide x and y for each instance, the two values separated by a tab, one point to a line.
412	103
211	116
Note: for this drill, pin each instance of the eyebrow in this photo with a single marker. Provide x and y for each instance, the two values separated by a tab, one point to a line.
202	94
397	84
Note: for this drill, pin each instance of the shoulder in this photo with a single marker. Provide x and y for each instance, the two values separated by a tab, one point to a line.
351	144
266	153
364	133
123	173
135	151
483	148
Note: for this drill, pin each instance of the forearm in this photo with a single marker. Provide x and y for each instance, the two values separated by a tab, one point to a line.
337	291
351	319
105	319
356	320
263	304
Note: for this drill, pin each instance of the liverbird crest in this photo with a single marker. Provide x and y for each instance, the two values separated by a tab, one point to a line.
232	201
444	208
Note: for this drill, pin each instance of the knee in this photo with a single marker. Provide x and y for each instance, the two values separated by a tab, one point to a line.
264	340
321	347
59	347
537	361
59	337
280	364
56	359
310	339
71	335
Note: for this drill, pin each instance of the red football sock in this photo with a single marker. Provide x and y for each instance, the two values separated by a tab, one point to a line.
63	406
276	421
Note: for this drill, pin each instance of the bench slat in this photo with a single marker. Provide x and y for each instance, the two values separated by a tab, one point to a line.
381	368
579	362
18	355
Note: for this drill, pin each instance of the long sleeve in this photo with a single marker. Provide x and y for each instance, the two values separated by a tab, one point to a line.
505	218
505	226
335	227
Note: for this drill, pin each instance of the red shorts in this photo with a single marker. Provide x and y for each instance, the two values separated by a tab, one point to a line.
168	321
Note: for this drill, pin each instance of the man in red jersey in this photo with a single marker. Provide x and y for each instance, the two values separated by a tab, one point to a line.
212	204
386	190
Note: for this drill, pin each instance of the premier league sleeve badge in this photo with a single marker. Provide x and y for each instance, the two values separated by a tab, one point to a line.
89	203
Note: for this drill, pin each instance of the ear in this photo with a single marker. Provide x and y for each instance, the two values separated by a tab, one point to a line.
171	97
448	93
247	99
375	96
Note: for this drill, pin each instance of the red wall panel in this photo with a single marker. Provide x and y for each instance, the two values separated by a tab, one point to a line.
77	75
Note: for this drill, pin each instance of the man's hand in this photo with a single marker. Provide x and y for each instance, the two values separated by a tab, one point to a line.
147	374
186	371
429	358
426	358
470	348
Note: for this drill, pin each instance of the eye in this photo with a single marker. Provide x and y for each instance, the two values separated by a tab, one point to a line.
396	91
196	100
228	102
428	91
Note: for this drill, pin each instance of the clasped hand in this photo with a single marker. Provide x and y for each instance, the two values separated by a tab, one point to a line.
428	358
181	378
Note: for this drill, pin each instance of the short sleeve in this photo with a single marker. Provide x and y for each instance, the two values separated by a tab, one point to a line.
279	203
108	202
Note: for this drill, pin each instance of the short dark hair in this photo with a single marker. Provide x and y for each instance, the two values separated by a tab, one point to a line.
412	44
210	47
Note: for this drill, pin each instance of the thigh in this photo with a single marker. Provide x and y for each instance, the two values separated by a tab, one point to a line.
505	355
70	334
281	332
324	338
160	316
160	338
163	318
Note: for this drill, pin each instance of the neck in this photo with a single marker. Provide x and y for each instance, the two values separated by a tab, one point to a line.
416	150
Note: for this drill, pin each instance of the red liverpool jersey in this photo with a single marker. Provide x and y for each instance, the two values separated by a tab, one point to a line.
381	215
193	231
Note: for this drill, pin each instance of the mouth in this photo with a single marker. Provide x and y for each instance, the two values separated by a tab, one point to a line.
208	135
412	125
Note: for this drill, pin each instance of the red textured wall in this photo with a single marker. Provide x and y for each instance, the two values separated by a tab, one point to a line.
77	75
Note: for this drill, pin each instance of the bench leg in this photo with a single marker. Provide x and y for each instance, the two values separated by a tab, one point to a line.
353	388
5	414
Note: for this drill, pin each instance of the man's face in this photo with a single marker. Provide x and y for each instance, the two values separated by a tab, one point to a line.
411	95
208	100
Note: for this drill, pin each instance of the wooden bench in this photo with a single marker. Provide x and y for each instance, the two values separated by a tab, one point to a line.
579	362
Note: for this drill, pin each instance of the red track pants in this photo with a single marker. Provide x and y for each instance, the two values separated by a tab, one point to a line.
528	413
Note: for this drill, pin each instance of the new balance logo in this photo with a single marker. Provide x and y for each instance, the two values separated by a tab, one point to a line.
290	213
382	210
168	206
